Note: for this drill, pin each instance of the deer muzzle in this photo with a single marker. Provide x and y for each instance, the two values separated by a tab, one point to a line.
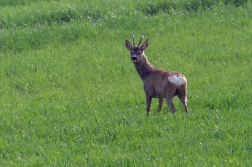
134	59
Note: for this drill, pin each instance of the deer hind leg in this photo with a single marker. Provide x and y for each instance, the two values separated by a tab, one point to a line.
160	103
148	104
169	101
181	92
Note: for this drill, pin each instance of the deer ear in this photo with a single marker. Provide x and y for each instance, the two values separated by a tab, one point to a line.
145	45
128	45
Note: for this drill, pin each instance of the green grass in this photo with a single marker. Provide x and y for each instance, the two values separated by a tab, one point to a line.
69	95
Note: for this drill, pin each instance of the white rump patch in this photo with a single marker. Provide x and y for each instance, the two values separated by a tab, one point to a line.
177	80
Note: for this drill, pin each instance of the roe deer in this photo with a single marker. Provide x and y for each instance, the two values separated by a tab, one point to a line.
158	83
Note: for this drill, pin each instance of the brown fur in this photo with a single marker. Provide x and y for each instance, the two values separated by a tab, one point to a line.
156	83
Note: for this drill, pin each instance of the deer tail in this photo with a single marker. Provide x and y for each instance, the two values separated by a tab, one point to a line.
177	80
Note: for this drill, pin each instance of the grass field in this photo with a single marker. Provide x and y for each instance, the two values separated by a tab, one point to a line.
69	95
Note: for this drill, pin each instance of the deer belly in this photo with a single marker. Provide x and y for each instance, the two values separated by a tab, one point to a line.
156	94
153	91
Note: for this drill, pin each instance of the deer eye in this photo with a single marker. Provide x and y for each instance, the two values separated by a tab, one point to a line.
138	53
131	53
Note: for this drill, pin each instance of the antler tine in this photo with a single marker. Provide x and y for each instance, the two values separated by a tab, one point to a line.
141	39
133	36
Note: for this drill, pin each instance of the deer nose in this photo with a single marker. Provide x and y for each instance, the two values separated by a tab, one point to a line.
134	58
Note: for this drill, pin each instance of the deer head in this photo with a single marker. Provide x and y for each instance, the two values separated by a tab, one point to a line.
137	52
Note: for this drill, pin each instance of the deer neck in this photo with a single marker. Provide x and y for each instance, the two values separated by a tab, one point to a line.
143	69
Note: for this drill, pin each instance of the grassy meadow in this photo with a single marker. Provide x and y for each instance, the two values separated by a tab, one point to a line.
69	95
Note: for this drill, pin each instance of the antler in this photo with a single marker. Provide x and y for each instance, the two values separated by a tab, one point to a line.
133	36
141	39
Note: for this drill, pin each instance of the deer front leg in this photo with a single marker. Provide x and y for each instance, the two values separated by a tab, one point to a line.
148	104
160	103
